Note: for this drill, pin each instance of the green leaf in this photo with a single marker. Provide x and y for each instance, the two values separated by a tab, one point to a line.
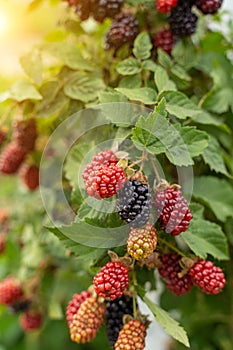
164	59
111	96
156	135
195	140
69	55
161	108
142	46
32	65
149	65
129	66
23	90
204	237
144	94
89	235
171	326
85	253
182	107
84	87
132	82
215	193
162	80
214	158
180	73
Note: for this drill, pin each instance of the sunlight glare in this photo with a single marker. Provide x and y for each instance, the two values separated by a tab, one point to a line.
4	23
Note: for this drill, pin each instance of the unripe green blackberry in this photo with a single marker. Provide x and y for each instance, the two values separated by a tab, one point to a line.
132	336
142	241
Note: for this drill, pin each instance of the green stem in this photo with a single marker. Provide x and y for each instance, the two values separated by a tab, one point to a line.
155	171
144	157
172	247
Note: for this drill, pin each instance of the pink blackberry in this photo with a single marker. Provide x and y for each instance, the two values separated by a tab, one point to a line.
75	304
111	281
169	271
11	158
208	277
123	30
209	6
10	291
164	39
172	210
165	6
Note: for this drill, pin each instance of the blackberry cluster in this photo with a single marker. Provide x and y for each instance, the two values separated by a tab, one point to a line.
99	9
123	30
169	271
209	6
75	304
182	20
106	9
132	336
164	39
133	203
115	310
172	210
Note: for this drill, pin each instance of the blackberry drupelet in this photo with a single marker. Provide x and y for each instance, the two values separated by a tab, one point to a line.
124	29
115	310
132	336
83	9
106	9
182	20
133	203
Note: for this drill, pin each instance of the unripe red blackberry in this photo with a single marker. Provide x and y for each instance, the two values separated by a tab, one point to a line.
209	6
134	202
103	158
25	134
164	39
30	321
182	20
105	182
132	336
4	215
142	241
208	277
87	321
2	137
115	311
172	210
111	281
11	158
30	177
123	30
102	9
10	290
169	271
165	6
75	304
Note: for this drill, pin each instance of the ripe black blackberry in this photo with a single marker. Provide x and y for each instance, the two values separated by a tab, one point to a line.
106	8
209	6
83	9
182	20
20	306
115	310
133	203
124	29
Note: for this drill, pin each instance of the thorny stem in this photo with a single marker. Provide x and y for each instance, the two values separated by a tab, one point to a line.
172	247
